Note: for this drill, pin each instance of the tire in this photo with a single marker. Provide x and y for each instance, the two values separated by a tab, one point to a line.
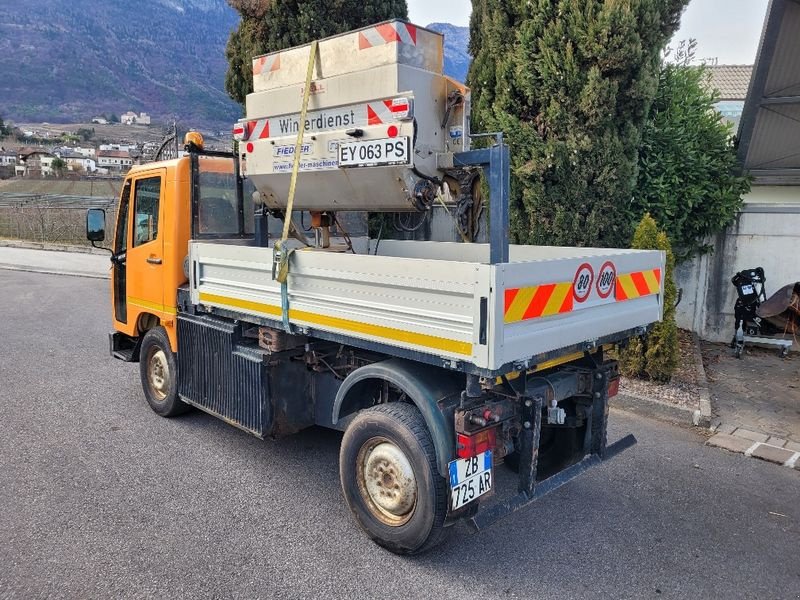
378	441
158	370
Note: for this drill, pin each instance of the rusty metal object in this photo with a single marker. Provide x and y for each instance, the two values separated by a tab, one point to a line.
276	340
782	309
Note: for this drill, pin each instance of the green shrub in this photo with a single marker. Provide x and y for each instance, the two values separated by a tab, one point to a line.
655	356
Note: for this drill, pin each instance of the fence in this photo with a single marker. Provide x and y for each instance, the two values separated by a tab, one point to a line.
51	218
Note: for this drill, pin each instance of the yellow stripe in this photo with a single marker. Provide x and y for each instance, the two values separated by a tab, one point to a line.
553	305
520	304
170	310
652	282
397	335
628	286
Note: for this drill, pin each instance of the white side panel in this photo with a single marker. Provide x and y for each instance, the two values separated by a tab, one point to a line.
586	321
426	306
431	305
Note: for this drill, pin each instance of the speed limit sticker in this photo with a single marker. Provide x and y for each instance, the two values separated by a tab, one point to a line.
582	285
605	281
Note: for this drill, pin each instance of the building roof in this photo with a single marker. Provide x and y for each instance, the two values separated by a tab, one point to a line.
113	154
769	132
730	81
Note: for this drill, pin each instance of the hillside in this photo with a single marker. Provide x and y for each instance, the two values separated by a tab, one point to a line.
68	61
456	49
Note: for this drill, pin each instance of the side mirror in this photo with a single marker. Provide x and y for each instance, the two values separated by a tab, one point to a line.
95	225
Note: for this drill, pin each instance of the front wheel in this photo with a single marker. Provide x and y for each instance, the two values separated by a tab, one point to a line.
159	373
387	466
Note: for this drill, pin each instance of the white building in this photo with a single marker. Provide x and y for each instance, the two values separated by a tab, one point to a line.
766	232
117	147
114	160
131	118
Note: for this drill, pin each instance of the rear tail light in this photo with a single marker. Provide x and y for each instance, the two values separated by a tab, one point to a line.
613	387
472	445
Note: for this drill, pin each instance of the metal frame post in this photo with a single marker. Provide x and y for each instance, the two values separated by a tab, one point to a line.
529	444
497	159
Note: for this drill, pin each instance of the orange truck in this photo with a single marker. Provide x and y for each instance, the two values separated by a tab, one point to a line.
468	379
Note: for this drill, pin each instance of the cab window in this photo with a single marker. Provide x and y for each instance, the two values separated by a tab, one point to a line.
147	193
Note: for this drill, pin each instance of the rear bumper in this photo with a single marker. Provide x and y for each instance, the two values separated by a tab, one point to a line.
489	516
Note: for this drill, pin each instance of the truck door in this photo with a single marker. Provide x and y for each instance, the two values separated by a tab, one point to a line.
144	263
118	269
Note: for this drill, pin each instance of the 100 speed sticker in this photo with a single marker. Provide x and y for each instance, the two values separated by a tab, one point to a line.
606	279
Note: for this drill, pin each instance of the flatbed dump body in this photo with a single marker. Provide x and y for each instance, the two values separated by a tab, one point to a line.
443	301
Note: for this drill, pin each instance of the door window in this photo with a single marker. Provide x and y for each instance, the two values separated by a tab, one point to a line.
146	198
120	239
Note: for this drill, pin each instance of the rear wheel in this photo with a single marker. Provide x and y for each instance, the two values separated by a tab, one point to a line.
390	480
158	370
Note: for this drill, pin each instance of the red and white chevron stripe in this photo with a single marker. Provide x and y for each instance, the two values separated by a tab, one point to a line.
266	64
258	130
387	111
386	34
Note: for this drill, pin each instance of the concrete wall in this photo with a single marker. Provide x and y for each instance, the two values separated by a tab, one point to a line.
765	234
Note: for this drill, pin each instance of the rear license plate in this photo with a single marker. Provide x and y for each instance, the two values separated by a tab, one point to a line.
375	153
470	478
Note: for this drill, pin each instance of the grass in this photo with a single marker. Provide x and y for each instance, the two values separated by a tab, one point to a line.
103	188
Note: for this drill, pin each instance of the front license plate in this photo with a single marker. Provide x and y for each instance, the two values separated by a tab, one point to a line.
470	478
375	153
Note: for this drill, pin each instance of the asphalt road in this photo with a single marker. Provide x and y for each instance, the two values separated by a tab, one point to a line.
102	498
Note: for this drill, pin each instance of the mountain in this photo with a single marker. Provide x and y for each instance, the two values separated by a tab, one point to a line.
69	61
456	49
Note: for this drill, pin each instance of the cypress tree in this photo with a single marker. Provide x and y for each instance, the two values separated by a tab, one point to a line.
272	25
570	82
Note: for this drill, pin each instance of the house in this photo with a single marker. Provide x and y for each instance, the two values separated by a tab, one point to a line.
766	232
730	83
36	162
116	161
88	152
131	118
78	162
117	147
8	158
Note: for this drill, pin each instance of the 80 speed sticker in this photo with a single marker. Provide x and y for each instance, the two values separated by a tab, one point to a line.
582	285
606	279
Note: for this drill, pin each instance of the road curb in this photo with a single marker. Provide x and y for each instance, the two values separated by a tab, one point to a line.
655	409
702	416
50	272
25	245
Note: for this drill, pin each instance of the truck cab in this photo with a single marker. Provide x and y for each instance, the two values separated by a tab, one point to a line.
151	234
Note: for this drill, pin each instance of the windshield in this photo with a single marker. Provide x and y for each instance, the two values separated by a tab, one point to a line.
217	211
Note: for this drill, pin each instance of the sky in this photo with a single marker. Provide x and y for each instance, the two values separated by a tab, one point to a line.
725	30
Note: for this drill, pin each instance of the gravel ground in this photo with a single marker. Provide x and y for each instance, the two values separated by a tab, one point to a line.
683	390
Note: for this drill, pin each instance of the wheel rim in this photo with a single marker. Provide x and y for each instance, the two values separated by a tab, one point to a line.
386	481
158	376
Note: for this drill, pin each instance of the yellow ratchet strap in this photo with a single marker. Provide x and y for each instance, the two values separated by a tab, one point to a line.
280	266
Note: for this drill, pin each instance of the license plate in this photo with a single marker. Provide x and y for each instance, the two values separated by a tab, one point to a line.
470	478
375	153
